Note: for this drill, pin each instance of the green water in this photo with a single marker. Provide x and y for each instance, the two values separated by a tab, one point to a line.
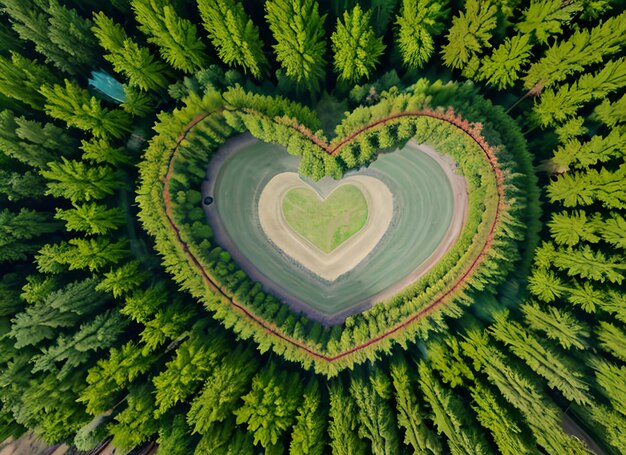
423	206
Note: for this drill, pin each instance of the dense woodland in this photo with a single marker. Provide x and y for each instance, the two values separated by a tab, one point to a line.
96	339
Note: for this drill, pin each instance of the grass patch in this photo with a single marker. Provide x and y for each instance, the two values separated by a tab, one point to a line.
325	223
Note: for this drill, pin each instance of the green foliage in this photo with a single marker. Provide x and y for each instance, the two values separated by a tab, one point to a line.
502	68
572	55
356	49
175	36
470	33
342	425
298	30
135	62
308	436
418	22
78	181
268	410
74	106
545	18
91	218
21	78
234	35
18	231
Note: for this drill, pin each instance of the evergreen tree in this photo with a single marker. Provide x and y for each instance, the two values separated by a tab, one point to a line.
59	34
418	22
356	49
123	280
571	228
101	151
308	436
411	416
545	18
502	68
91	218
448	416
30	142
556	324
612	339
18	231
21	185
300	45
77	181
77	108
176	37
21	78
343	423
134	62
222	391
470	33
377	422
234	35
572	55
73	351
611	113
268	410
93	254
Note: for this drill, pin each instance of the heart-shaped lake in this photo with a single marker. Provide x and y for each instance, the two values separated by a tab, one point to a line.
425	193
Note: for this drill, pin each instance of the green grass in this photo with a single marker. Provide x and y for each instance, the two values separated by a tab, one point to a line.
329	223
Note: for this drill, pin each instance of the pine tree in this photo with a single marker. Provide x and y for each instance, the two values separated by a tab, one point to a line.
502	68
356	49
470	33
134	62
545	18
572	55
234	35
268	410
586	188
19	231
93	253
448	416
300	45
571	228
611	113
411	415
343	423
91	218
77	108
176	37
612	340
78	182
74	351
21	78
377	420
59	34
556	324
308	436
123	280
418	22
21	185
101	151
222	391
195	358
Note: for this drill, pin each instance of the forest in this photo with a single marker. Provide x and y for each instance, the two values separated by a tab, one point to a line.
123	323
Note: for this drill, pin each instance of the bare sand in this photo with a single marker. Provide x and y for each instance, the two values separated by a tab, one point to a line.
346	256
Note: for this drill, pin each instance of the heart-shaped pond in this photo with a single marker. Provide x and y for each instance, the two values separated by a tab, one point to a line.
429	202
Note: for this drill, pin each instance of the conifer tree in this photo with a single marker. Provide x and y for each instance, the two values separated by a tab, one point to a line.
18	231
611	113
60	34
576	52
308	436
418	22
343	423
502	68
300	46
176	37
21	78
21	185
134	62
77	108
234	35
470	33
268	410
356	49
545	18
77	181
91	218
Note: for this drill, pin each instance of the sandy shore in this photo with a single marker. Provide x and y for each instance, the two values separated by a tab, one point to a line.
349	254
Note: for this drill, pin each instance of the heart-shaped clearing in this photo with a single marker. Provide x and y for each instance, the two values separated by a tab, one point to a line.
373	195
326	223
